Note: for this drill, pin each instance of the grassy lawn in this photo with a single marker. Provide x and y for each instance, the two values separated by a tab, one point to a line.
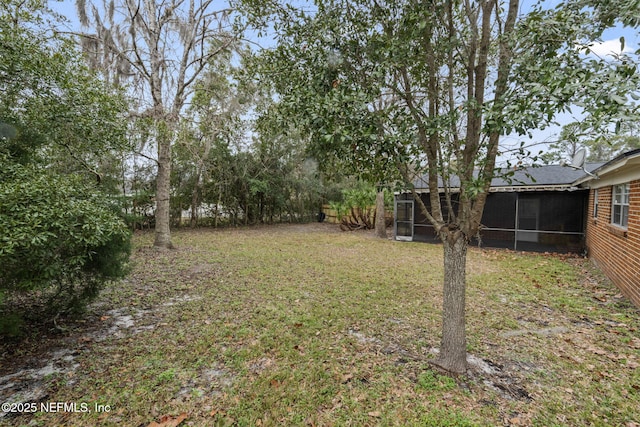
305	326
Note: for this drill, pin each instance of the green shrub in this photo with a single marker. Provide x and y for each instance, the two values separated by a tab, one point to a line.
60	242
356	208
10	325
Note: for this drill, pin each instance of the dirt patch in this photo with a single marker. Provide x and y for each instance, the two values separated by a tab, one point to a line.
506	378
211	381
28	384
542	332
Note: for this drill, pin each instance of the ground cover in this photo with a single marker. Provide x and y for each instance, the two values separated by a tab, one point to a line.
304	325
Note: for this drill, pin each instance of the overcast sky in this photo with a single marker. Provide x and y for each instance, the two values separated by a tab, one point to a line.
608	46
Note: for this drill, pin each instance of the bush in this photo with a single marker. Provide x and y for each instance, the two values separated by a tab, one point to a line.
358	207
60	242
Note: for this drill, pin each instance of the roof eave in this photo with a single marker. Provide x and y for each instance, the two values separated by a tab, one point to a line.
611	166
514	188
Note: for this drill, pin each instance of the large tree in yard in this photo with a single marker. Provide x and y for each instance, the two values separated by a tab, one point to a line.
159	48
429	88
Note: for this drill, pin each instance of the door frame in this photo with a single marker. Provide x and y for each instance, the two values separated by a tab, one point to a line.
408	221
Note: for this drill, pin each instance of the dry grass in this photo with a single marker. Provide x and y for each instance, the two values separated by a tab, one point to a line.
300	325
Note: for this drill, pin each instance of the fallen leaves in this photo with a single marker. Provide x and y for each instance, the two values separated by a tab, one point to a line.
359	346
632	364
275	383
169	421
516	421
596	350
346	378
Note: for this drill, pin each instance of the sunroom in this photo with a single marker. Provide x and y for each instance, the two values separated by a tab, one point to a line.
534	209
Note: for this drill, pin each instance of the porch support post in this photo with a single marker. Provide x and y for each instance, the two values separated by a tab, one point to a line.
515	234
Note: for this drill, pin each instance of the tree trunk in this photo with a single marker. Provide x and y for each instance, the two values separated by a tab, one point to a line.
195	200
381	223
163	188
453	348
218	204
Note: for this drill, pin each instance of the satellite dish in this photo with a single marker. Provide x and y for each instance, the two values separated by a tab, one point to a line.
578	159
578	162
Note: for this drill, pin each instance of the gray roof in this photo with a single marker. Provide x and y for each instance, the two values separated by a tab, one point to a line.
527	177
612	163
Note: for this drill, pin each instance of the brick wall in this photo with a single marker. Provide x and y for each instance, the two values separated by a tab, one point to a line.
615	250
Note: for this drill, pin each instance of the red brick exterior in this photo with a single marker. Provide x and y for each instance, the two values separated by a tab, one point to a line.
616	250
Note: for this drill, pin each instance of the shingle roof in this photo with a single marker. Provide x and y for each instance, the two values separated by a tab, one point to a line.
531	176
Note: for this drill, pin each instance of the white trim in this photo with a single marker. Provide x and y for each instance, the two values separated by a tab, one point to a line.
624	170
510	189
622	204
616	178
559	187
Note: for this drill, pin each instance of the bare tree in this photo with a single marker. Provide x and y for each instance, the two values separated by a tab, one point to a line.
158	48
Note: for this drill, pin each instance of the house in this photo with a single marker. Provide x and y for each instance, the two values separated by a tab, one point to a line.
613	221
532	209
555	209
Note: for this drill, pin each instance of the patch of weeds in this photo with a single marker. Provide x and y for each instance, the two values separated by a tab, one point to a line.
167	375
432	381
444	418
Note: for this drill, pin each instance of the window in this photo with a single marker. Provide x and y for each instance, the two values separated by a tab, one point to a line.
595	203
620	214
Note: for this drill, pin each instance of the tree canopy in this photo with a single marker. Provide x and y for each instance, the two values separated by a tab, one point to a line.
408	88
600	149
60	235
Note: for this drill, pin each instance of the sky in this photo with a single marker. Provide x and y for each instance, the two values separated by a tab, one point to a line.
605	48
609	45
